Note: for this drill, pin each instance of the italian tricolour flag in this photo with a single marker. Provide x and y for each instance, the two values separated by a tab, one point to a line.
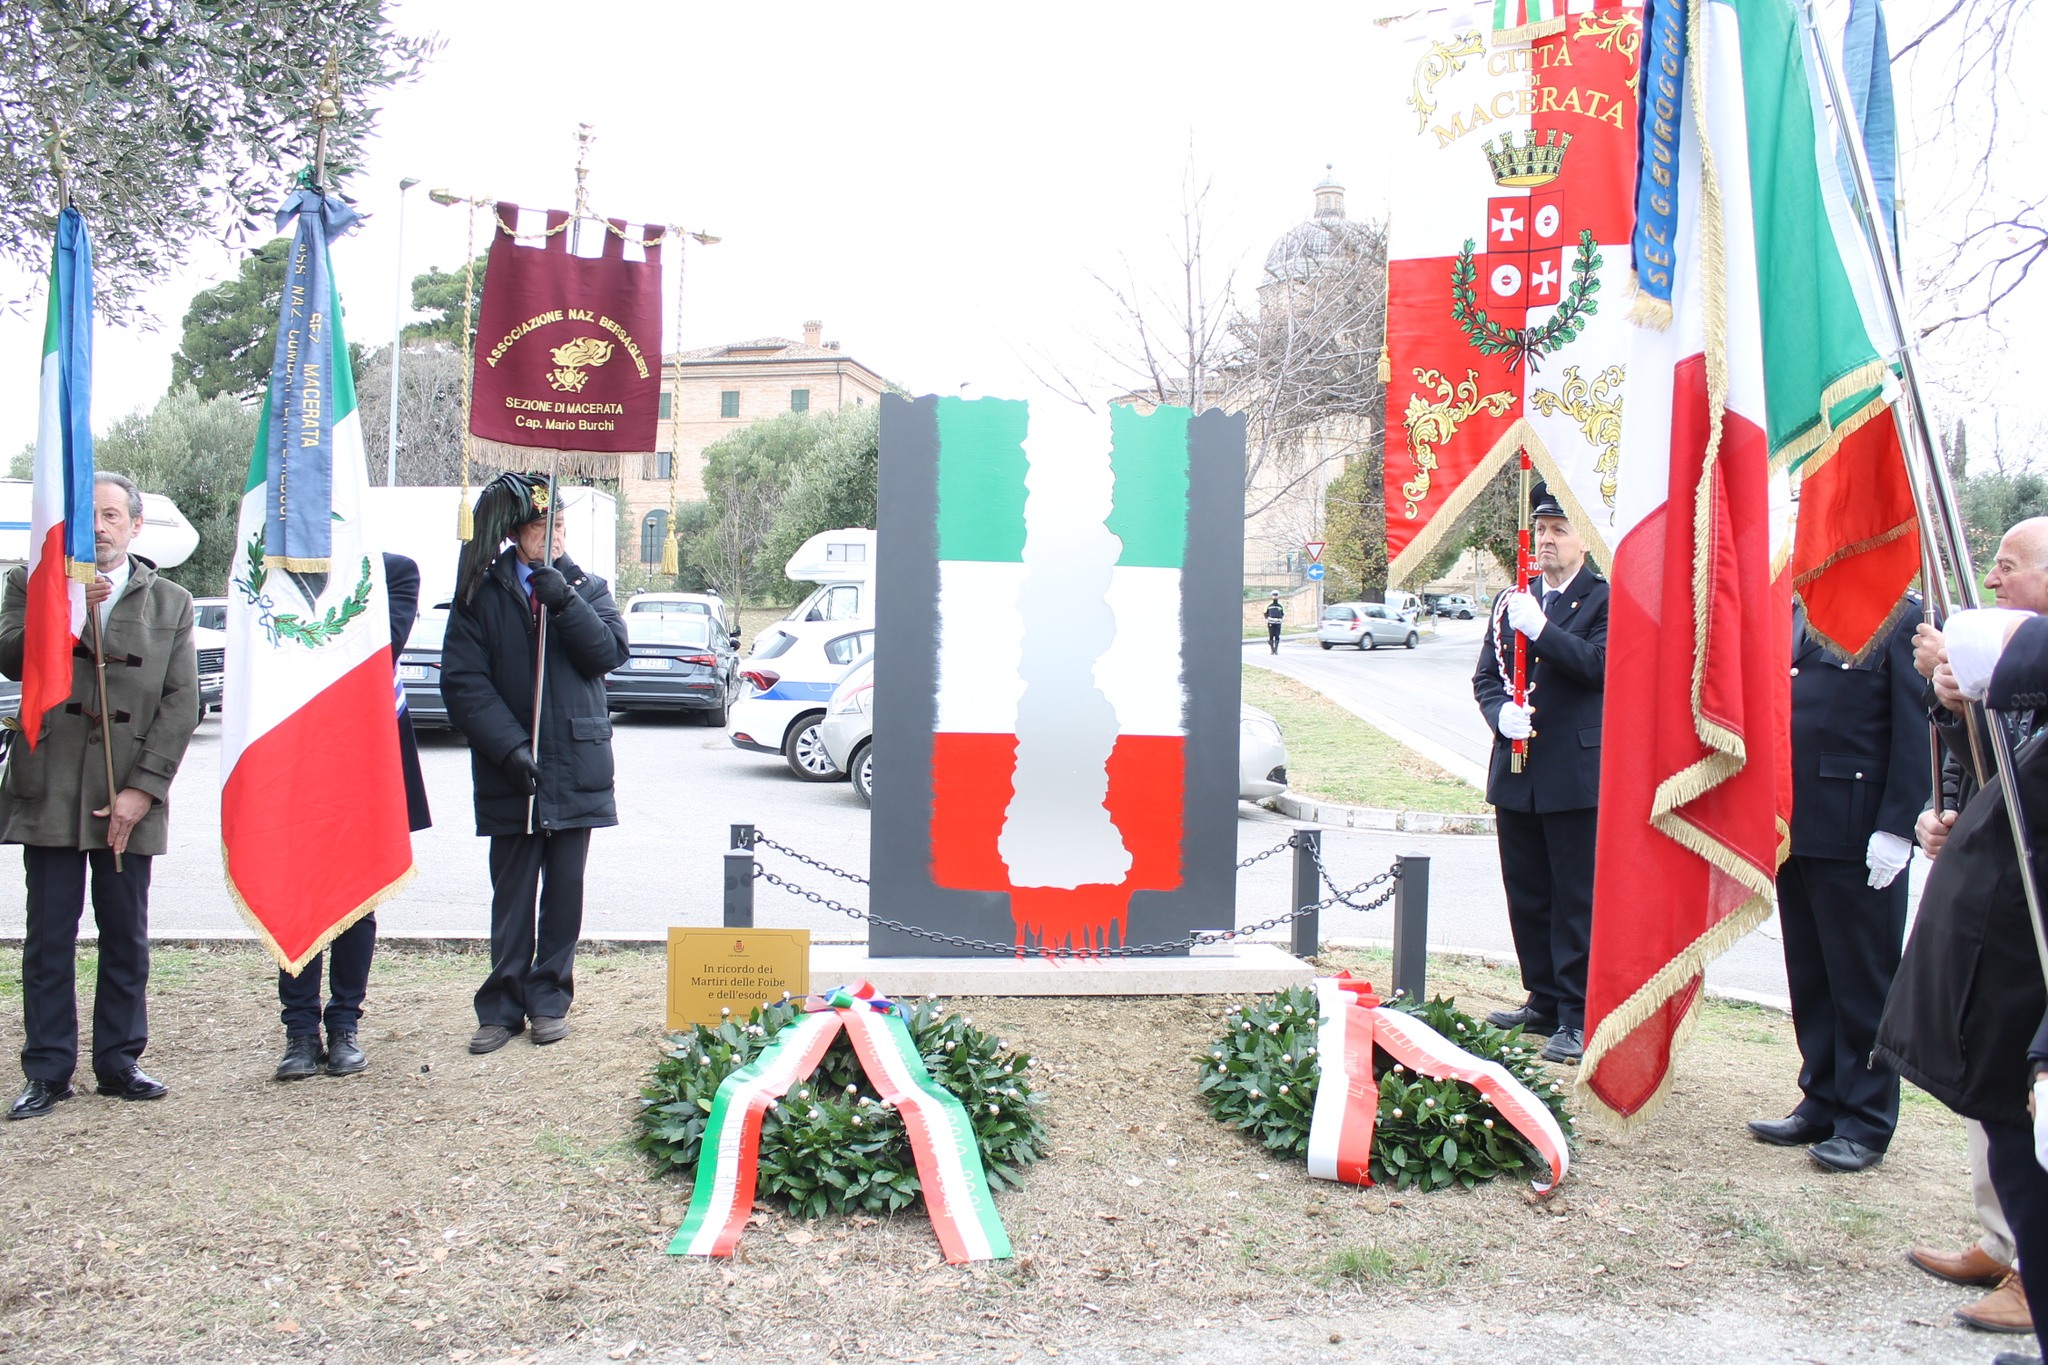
313	818
1061	537
1768	359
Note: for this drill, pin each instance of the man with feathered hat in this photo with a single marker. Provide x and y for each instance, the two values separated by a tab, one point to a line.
524	611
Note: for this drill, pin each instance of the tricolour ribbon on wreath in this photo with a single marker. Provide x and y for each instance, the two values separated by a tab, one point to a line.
942	1140
1352	1023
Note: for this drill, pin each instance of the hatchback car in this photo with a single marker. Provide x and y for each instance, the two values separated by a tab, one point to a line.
419	669
708	605
848	729
1457	606
675	661
1365	624
785	684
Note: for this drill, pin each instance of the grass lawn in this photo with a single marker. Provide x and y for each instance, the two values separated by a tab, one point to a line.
1334	755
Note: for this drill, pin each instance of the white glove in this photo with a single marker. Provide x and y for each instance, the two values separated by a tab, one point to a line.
1525	614
1975	640
2040	1108
1886	857
1514	720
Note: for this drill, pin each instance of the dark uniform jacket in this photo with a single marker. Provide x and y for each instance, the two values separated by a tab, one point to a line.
487	681
1969	998
402	594
1567	675
49	794
1861	761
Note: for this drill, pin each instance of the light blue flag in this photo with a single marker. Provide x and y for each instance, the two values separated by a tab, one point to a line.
1867	57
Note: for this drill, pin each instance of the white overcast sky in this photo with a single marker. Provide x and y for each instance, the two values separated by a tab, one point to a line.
937	183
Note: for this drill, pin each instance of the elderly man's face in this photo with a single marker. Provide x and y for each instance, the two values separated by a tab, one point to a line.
533	536
2019	575
113	525
1559	549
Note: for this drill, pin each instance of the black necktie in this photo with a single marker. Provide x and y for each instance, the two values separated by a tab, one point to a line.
1550	596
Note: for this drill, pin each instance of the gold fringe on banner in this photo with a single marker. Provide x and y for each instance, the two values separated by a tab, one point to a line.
499	457
1542	28
1647	310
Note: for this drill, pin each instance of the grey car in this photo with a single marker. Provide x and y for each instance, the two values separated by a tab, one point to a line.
1365	624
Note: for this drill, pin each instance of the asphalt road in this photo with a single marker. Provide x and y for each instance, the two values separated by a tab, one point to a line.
681	785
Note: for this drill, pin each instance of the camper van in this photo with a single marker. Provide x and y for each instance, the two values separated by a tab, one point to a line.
842	564
166	540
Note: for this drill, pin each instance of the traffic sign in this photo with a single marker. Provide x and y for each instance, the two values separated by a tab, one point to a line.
1316	572
1315	550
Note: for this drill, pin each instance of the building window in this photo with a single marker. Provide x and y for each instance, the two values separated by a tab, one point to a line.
729	403
653	530
667	404
656	465
799	400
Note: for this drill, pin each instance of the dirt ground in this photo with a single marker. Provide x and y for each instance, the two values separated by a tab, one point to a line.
443	1207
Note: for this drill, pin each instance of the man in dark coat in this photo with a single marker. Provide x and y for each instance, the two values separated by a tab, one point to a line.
1861	772
1544	814
348	956
537	808
1276	616
1969	999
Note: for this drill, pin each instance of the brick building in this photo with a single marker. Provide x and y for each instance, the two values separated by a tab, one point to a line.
724	389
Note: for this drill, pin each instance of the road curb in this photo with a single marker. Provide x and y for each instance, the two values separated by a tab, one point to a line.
1340	816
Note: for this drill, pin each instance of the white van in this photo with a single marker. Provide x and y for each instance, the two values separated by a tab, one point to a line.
842	564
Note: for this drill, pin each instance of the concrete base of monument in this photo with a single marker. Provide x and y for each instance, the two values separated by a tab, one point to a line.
1252	969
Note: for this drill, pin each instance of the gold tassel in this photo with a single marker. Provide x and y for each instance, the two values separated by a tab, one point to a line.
1386	366
465	519
670	564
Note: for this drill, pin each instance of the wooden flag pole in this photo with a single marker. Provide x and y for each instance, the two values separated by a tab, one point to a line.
99	672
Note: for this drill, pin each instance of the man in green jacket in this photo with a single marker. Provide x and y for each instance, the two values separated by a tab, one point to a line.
55	802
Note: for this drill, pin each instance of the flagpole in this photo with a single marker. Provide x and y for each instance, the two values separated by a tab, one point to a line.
1518	750
99	671
1949	527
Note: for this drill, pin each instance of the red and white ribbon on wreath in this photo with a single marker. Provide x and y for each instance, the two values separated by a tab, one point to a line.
949	1169
1352	1023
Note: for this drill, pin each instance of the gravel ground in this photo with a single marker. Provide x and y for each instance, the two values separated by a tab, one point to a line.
475	1210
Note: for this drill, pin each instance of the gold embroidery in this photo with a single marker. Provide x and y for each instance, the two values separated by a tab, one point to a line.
1596	407
1442	59
575	357
1432	424
1619	32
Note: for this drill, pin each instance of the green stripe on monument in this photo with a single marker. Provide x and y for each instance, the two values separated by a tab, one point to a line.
981	479
1149	457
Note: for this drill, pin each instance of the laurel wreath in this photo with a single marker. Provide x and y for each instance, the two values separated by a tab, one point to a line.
1519	343
278	626
1262	1076
831	1146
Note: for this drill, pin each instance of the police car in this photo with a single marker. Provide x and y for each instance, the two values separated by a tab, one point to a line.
785	684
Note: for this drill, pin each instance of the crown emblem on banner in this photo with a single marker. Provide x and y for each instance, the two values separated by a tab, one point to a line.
1530	163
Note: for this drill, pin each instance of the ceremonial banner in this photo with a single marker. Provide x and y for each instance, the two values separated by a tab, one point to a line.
60	539
1056	672
1508	264
1695	777
568	347
313	819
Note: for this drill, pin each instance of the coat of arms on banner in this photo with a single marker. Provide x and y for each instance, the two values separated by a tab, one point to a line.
1508	275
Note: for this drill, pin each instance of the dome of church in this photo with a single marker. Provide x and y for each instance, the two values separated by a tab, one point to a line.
1303	247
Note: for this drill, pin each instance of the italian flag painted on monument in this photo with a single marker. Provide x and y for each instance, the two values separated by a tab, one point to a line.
313	819
1062	785
1768	360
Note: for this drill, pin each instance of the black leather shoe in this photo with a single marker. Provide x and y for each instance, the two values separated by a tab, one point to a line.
1793	1130
38	1098
1565	1045
132	1084
301	1057
344	1057
1525	1019
1845	1154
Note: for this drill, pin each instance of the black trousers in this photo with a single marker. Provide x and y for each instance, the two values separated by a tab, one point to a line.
1546	867
532	966
2023	1193
1273	636
1842	942
49	963
348	982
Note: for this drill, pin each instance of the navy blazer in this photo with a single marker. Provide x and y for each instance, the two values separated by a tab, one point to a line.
1567	675
1861	761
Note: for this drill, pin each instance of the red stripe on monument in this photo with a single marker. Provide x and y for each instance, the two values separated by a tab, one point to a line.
313	816
47	641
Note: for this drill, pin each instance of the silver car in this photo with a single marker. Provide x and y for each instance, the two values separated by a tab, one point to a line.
1365	624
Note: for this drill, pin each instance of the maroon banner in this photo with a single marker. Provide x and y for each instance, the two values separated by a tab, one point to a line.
568	348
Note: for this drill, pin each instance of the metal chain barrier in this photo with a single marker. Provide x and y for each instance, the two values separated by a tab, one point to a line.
1390	879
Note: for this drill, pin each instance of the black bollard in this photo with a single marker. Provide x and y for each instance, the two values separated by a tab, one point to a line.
1411	926
739	888
1307	931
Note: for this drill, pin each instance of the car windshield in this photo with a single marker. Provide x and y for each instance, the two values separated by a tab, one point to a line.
1338	614
667	628
427	629
671	608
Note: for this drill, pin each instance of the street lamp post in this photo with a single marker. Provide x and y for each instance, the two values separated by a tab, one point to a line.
397	332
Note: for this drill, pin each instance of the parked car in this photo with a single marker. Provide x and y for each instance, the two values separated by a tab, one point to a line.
706	604
1365	624
210	613
419	669
212	644
1458	606
848	729
676	661
1405	605
786	683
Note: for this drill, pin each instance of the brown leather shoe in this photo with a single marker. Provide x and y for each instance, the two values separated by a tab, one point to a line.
1972	1265
2004	1309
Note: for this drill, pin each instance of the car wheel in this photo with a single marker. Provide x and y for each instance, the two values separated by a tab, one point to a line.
805	753
1324	643
864	773
1413	639
1368	641
715	717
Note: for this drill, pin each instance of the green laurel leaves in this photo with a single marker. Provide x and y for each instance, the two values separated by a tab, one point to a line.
1526	343
286	626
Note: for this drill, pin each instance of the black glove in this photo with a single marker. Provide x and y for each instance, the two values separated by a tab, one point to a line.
550	589
520	767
